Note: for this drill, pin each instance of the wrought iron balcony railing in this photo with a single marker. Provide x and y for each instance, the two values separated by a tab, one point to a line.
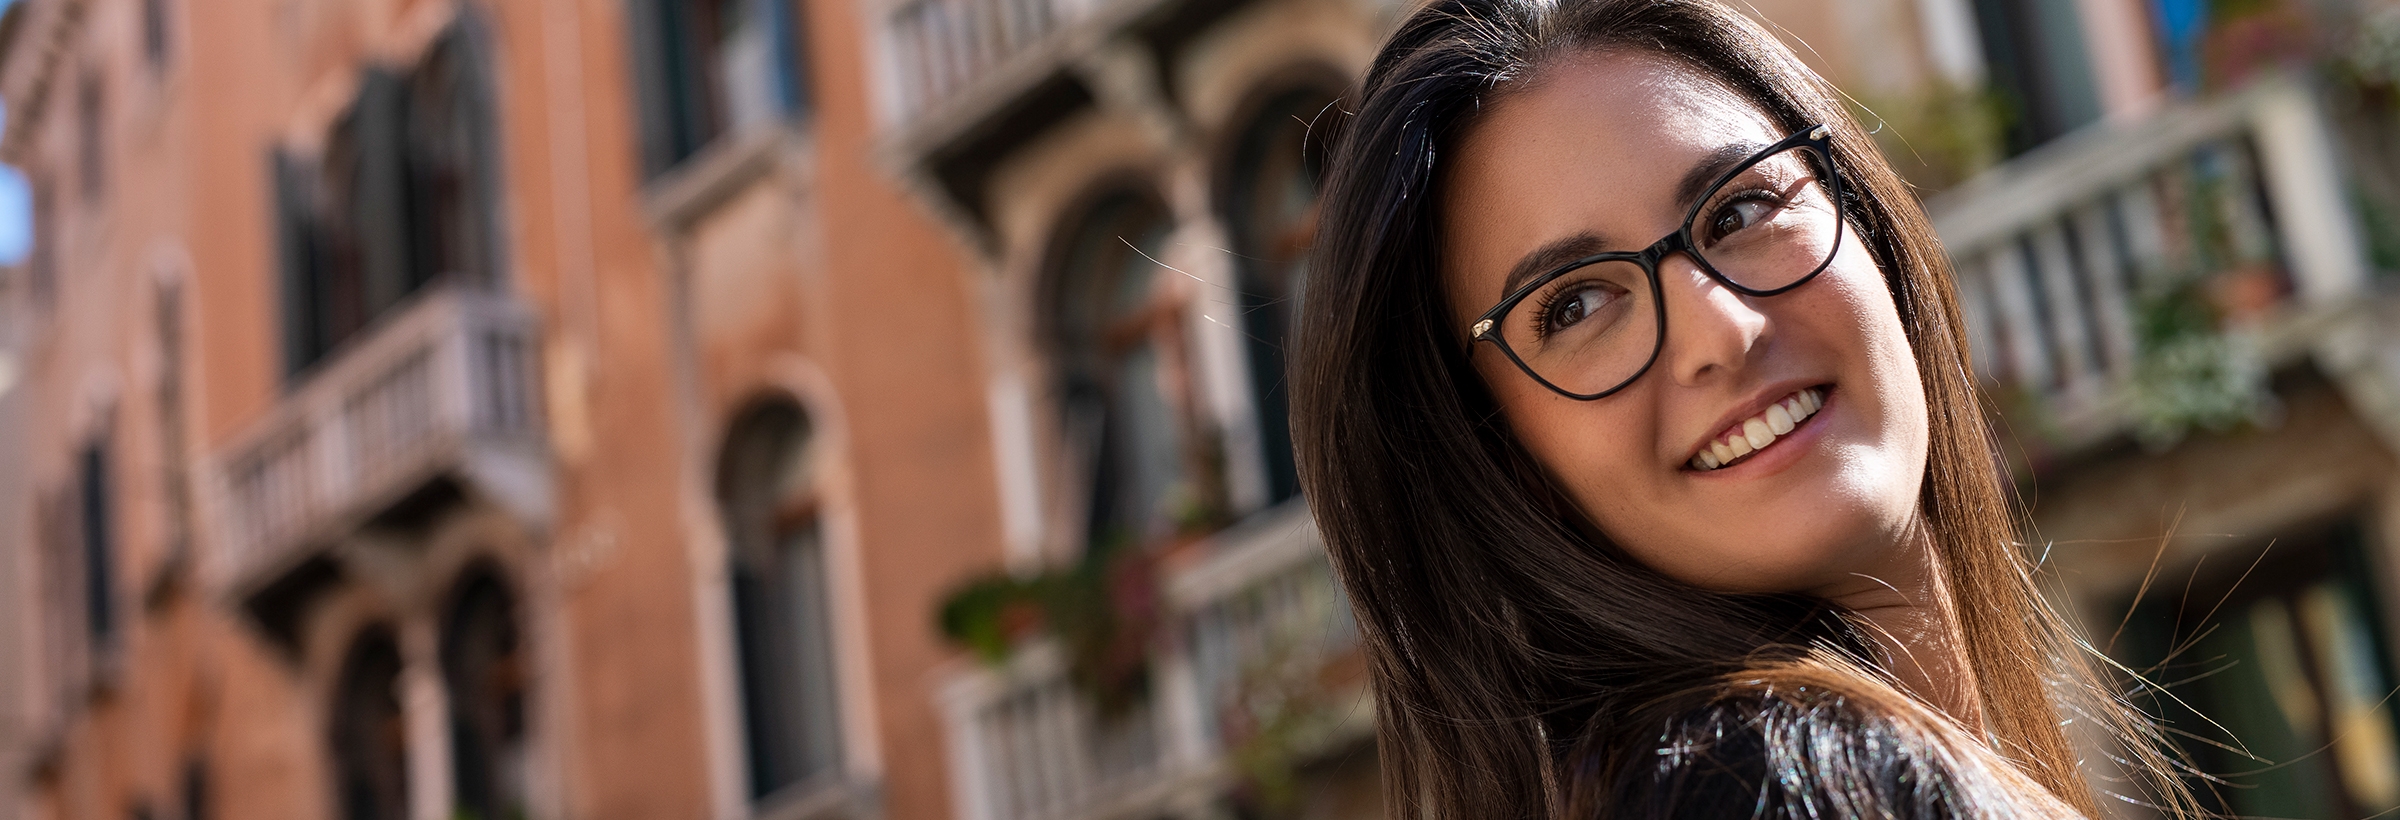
443	389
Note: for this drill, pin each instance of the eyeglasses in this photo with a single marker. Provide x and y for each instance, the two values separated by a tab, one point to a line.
1590	327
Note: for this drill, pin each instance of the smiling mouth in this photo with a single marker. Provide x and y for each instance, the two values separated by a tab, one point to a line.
1760	431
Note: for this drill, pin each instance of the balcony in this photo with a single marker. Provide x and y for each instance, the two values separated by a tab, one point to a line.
969	82
941	48
1258	625
2060	254
437	401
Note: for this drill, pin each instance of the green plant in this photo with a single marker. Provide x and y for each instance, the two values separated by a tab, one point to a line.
1939	136
1103	610
2189	373
1279	715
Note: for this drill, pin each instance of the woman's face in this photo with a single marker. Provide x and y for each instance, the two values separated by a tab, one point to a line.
1598	145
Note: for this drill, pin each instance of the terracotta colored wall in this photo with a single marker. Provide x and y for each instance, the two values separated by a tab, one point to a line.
832	275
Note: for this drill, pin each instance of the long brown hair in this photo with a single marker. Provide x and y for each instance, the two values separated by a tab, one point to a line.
1503	639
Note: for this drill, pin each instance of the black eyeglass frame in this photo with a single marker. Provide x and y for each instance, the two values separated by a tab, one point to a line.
1819	137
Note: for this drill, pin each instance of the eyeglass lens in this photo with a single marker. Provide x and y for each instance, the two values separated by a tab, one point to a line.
1593	328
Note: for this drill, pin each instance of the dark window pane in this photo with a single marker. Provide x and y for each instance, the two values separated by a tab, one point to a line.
2039	67
370	753
449	144
1271	208
709	68
154	33
1125	388
100	605
784	639
483	669
195	790
400	199
91	122
2279	678
42	272
297	238
378	200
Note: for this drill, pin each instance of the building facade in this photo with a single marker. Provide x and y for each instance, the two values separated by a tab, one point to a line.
434	409
616	408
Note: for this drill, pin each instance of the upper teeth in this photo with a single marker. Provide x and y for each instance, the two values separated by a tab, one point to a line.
1756	432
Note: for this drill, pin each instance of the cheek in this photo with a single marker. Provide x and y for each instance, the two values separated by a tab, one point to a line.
1591	449
1881	363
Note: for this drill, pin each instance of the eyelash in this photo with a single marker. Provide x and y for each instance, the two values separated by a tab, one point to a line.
1548	300
1759	192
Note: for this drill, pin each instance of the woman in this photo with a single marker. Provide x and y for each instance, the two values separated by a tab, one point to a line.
1686	526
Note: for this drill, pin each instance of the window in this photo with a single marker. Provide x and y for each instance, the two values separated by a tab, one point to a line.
400	199
1271	209
370	752
708	68
483	667
91	125
155	43
1125	380
98	529
75	527
168	317
448	156
42	268
2040	68
194	788
765	490
2287	662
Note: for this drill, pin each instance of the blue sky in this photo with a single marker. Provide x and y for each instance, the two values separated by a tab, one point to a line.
16	211
16	203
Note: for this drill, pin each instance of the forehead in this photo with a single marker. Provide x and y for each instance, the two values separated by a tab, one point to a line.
1595	143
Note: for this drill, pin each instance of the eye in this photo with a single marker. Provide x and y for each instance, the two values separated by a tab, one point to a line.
1734	216
1570	307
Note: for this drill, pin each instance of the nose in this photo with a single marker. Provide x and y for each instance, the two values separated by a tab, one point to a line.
1711	329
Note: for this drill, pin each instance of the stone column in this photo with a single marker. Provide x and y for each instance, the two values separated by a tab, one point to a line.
425	713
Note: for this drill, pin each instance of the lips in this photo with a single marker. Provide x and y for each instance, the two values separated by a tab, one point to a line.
1760	431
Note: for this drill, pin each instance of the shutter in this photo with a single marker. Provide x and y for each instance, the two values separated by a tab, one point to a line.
478	106
790	23
380	205
691	38
453	176
295	245
653	81
99	546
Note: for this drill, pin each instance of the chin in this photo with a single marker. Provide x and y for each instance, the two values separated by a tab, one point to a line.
1759	556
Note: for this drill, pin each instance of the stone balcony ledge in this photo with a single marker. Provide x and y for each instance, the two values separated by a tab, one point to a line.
437	401
1025	744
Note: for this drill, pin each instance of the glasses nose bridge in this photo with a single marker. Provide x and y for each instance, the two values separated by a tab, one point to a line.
1666	246
1655	257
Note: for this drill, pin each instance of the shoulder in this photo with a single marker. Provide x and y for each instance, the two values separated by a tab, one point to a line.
1783	749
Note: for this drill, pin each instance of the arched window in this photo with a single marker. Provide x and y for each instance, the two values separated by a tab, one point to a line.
790	722
450	167
1270	206
400	198
1125	380
483	669
370	749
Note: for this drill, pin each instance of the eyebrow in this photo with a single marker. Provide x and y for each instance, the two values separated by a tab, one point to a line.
1558	252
